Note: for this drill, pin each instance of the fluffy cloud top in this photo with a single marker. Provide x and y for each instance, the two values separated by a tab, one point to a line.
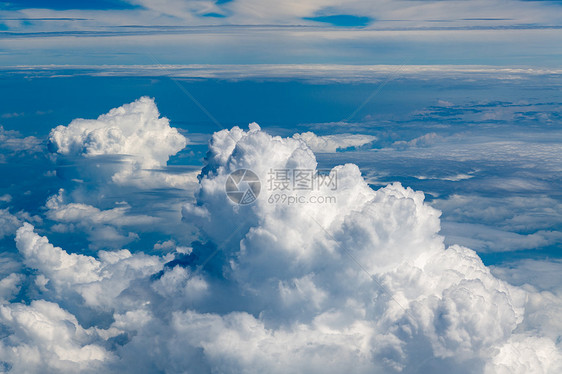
97	281
362	283
134	131
371	265
47	338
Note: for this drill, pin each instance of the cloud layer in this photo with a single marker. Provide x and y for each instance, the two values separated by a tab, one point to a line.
251	32
362	282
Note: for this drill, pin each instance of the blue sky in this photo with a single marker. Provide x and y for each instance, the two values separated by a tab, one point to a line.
437	251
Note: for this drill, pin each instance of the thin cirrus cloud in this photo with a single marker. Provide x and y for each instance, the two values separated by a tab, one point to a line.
336	13
204	31
66	5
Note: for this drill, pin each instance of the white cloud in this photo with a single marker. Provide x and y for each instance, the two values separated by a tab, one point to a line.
517	356
12	142
8	223
489	239
134	134
297	256
134	129
10	286
117	181
97	281
187	10
422	141
333	143
166	245
255	12
103	227
256	31
511	212
47	339
501	223
362	284
88	215
452	178
542	274
334	73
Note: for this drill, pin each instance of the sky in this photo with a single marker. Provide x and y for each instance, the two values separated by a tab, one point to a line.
253	186
250	31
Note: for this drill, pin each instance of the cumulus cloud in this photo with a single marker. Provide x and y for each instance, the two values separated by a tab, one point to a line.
363	283
46	338
117	181
374	259
135	138
97	281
